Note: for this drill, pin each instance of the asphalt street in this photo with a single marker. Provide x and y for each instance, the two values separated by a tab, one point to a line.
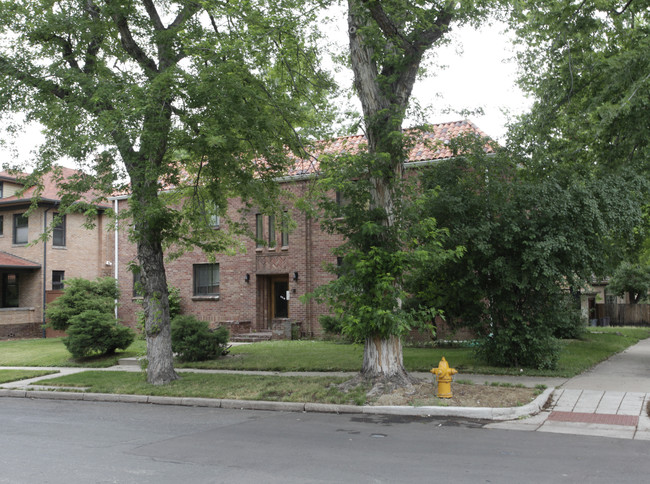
48	441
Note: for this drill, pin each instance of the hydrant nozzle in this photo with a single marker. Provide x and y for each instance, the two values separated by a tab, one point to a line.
443	375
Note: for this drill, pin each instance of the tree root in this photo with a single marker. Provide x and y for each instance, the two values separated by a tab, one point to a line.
381	385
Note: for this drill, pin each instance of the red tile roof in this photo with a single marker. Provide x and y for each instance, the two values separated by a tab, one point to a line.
50	186
8	260
430	145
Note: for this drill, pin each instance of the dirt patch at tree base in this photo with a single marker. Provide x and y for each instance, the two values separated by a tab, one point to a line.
464	395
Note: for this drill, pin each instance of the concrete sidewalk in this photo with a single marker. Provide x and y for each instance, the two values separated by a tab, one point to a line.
610	400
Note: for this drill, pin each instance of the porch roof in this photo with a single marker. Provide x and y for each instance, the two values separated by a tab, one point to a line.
10	261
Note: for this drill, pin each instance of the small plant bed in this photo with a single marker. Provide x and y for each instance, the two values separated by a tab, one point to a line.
201	385
292	389
464	395
7	376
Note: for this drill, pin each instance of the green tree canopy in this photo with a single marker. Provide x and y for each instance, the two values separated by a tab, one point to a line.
527	241
183	95
586	65
633	279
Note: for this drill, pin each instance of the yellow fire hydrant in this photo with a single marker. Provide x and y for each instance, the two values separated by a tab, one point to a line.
443	374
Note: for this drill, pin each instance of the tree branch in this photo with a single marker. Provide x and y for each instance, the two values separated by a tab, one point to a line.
153	15
93	47
187	12
130	45
616	12
386	25
42	85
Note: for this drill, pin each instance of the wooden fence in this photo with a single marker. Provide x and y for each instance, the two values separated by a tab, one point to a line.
623	314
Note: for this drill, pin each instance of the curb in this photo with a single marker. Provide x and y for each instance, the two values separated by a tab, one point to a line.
481	413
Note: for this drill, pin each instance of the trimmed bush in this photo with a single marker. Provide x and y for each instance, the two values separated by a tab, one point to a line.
82	295
95	332
193	340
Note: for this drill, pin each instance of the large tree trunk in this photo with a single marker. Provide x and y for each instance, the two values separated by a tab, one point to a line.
160	369
382	357
382	360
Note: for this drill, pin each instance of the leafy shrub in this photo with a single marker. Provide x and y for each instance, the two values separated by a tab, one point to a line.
82	295
520	345
567	322
93	331
193	340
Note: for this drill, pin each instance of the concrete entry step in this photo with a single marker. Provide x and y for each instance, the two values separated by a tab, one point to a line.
133	361
251	337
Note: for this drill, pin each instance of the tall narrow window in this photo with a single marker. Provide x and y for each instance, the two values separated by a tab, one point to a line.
271	230
206	279
21	229
284	234
341	200
137	284
259	230
2	189
2	224
57	280
10	296
58	233
210	212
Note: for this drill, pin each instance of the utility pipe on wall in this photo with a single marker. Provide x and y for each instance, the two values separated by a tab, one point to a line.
45	267
115	257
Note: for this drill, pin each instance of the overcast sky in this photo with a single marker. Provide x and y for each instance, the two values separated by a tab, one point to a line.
479	74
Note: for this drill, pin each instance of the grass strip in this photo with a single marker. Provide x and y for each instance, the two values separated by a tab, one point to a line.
52	352
7	376
576	356
227	386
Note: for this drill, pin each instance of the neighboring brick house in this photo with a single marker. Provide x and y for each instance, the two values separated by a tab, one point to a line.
259	290
31	272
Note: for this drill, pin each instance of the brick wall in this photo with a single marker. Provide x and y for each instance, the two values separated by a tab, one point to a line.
240	301
85	254
21	331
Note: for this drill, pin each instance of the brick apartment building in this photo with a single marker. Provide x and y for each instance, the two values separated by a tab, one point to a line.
260	289
32	272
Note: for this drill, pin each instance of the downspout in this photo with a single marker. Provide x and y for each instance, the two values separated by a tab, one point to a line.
116	247
44	267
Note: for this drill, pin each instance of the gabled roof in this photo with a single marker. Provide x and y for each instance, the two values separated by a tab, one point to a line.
50	192
430	145
10	261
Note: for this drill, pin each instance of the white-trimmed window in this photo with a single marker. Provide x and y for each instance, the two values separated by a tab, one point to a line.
58	233
21	229
57	280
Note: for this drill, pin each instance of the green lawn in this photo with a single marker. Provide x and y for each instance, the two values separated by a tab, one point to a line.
576	356
244	387
14	375
52	352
